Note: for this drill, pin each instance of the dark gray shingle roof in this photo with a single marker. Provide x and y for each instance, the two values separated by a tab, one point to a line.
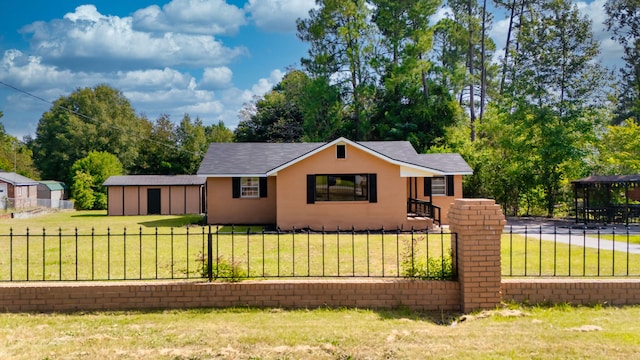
229	159
251	158
154	180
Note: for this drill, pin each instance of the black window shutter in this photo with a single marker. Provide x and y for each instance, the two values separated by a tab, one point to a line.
263	187
450	186
311	189
235	183
427	186
373	188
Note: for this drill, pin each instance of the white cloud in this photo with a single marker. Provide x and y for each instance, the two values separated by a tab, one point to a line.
153	79
88	40
278	15
610	51
210	17
216	78
151	92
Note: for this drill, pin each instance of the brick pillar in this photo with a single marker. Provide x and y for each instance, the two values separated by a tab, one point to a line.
479	224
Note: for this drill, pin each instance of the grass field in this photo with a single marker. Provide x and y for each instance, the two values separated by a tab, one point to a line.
559	332
533	257
93	246
89	245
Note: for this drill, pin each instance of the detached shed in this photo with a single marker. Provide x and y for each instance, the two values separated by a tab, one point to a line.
17	191
155	194
52	192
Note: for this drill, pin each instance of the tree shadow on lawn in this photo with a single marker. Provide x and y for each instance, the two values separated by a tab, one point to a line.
89	215
174	222
402	312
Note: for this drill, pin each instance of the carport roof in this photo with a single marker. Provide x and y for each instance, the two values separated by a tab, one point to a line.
609	179
154	180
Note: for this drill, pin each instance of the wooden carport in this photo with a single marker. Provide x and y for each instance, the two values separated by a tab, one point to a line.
613	199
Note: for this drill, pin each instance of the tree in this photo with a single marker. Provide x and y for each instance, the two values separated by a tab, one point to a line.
158	151
464	52
89	173
16	155
553	92
277	116
342	45
407	37
218	133
99	119
192	145
624	20
619	149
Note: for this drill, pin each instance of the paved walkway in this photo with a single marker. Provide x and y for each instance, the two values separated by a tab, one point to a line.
568	232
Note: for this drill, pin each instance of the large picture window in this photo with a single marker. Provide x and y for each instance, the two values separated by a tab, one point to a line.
342	187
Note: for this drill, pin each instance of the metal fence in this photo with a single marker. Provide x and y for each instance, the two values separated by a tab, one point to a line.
34	204
546	251
230	253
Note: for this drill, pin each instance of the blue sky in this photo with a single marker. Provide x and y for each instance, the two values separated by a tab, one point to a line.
202	57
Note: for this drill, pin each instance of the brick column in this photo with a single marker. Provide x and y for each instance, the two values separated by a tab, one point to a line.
479	224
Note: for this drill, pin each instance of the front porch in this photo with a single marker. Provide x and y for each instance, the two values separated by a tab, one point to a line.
423	209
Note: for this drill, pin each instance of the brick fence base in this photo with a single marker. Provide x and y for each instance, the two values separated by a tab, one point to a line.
572	291
364	293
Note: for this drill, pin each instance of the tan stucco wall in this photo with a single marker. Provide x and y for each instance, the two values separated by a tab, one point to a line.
389	211
172	200
222	208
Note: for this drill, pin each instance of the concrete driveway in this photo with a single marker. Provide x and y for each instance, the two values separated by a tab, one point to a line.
567	231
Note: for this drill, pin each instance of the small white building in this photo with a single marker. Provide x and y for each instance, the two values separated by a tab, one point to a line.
53	192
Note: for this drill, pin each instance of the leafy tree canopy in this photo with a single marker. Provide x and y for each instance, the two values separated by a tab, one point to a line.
89	173
90	119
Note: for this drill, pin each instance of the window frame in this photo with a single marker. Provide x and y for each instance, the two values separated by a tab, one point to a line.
249	187
240	187
442	188
360	192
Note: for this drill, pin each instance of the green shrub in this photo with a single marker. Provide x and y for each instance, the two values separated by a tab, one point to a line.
415	264
223	269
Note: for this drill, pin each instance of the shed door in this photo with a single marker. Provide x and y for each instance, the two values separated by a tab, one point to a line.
153	201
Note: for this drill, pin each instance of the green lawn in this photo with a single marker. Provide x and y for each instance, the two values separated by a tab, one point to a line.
560	332
165	247
91	245
623	237
536	258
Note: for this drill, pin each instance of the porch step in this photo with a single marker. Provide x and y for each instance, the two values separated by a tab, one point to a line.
418	222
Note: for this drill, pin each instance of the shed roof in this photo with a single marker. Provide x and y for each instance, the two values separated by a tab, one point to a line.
264	159
53	185
608	179
16	179
154	180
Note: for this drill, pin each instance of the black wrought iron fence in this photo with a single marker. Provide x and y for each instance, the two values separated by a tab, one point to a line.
230	253
571	251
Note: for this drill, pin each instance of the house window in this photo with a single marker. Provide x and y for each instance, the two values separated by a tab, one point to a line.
341	151
438	186
342	187
249	187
